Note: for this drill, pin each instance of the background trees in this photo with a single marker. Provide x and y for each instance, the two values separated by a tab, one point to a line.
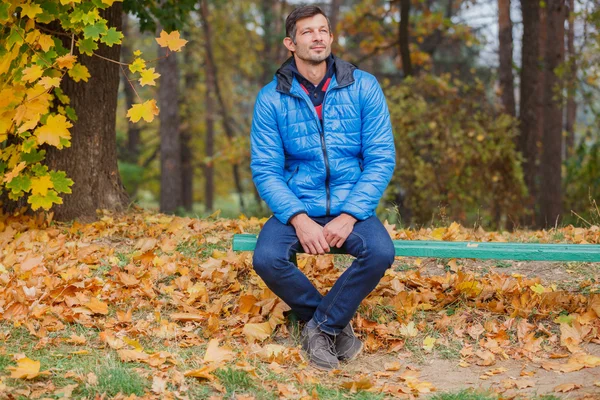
494	107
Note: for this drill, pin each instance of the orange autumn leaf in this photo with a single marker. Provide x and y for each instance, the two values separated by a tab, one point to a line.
202	373
97	306
566	387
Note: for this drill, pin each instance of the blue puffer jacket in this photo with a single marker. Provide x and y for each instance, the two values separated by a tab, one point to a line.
341	166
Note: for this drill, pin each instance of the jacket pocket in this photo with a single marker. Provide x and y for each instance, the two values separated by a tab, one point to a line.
294	172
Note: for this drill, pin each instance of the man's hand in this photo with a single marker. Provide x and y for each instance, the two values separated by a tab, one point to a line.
337	231
310	234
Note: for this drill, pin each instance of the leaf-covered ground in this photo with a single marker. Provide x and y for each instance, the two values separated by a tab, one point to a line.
155	306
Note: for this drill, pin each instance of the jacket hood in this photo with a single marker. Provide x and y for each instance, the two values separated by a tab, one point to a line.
344	73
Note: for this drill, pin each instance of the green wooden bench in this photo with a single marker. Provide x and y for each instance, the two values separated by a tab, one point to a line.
476	250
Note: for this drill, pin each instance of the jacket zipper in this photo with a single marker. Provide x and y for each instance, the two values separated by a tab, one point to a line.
323	147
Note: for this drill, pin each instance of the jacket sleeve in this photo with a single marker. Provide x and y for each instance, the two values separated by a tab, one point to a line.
268	162
378	153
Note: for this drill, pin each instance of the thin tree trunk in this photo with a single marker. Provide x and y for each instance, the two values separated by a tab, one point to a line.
187	158
506	57
334	13
404	38
91	161
209	141
551	200
529	116
571	103
170	140
225	115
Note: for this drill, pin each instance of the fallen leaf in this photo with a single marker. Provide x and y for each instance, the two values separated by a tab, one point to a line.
257	332
97	306
217	354
159	385
394	366
202	373
524	383
26	369
566	387
362	383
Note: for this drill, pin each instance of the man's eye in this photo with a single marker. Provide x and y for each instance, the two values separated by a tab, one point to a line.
324	30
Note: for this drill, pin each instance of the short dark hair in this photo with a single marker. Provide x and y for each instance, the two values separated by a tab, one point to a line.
301	13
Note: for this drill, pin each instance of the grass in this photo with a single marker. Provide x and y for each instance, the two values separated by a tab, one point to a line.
326	393
465	394
117	378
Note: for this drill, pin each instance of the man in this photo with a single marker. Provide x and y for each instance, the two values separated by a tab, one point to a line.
322	155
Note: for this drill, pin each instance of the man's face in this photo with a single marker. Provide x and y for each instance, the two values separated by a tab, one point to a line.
313	40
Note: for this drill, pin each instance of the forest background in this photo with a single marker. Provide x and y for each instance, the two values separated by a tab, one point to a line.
494	107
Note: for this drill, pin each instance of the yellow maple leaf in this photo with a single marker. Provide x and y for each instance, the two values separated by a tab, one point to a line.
109	2
32	73
171	40
26	369
66	61
40	185
138	65
428	344
56	127
46	42
204	372
148	76
537	288
65	2
15	171
31	10
79	73
48	83
147	110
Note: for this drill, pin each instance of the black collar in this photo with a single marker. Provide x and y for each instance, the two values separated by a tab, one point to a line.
344	72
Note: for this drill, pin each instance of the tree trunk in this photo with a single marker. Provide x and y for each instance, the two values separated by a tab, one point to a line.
506	57
571	103
334	13
133	130
187	158
91	161
404	38
209	142
210	61
551	201
170	141
268	60
529	116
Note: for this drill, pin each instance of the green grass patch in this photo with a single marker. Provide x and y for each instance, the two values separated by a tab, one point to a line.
117	378
465	394
327	393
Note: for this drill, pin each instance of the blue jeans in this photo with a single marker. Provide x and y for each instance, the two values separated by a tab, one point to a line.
369	242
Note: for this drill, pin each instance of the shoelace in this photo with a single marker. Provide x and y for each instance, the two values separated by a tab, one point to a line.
329	343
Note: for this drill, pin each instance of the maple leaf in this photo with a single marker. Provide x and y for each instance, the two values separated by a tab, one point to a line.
566	387
31	10
112	37
171	40
60	182
9	176
79	73
109	2
40	185
138	65
217	354
148	76
97	306
409	330
32	73
66	61
37	201
257	332
45	42
203	373
48	83
428	344
146	110
25	369
55	129
362	383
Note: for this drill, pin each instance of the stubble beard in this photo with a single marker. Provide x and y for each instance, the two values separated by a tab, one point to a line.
313	59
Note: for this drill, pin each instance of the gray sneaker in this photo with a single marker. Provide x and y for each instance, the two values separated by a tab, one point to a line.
319	347
347	345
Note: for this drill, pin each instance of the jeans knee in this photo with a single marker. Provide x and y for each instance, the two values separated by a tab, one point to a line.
382	256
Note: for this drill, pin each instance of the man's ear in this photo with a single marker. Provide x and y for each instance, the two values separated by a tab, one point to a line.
289	44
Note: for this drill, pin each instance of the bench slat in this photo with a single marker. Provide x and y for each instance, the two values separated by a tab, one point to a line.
477	250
